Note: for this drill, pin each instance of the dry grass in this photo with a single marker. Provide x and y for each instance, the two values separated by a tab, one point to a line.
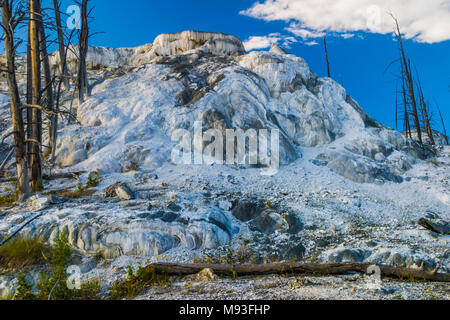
73	194
23	251
7	200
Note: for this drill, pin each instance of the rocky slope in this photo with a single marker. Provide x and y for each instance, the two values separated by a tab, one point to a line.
348	189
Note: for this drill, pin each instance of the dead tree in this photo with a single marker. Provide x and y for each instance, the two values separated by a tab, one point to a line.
407	75
82	83
443	123
29	97
36	121
61	47
326	56
424	111
406	126
10	21
53	121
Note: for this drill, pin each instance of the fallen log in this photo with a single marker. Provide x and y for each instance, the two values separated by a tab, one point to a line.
63	175
441	228
296	268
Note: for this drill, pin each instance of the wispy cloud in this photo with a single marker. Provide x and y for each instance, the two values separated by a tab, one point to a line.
424	21
262	42
312	43
298	30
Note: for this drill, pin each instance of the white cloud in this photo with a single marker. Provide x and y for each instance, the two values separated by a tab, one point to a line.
262	42
347	35
312	43
303	33
424	21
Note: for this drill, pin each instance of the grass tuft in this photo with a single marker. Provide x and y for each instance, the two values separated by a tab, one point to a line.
23	251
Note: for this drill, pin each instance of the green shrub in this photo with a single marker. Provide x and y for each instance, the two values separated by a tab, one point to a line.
7	200
136	283
54	283
92	182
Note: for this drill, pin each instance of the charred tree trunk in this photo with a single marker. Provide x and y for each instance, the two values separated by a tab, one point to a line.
326	56
407	127
36	124
16	112
62	49
415	113
443	124
83	86
407	75
425	114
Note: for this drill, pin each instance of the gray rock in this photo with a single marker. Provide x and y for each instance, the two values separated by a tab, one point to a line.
123	192
295	252
120	191
294	222
37	202
247	210
165	216
174	207
361	169
346	255
268	222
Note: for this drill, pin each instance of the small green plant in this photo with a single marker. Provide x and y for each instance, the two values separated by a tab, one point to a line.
7	200
24	289
99	255
55	282
53	285
92	182
39	186
228	255
90	290
47	153
80	192
137	282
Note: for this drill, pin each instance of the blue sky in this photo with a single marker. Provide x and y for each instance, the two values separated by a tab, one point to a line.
358	62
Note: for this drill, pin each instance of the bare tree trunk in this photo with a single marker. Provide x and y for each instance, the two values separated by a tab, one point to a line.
443	124
53	124
29	112
408	75
36	125
16	112
424	108
62	49
83	86
326	56
407	127
412	95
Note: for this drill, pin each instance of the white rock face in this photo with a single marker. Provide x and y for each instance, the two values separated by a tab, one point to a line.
277	49
340	170
194	77
170	44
